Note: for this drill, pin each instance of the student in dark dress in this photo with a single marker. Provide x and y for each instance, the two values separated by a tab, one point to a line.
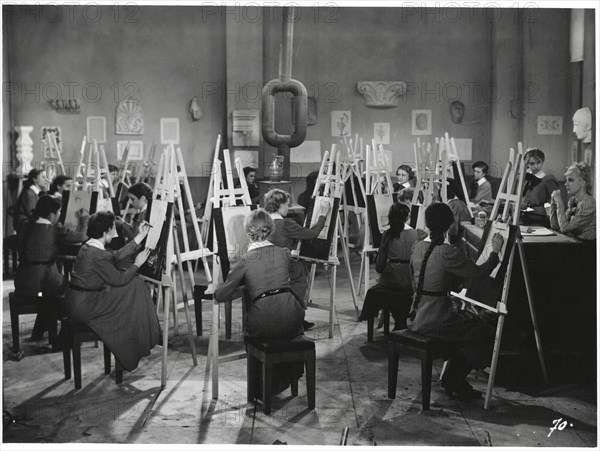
537	190
113	303
287	233
28	198
436	268
60	184
393	261
39	248
274	312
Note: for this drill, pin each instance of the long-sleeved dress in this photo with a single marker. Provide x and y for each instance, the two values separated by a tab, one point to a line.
115	304
436	316
23	208
392	263
287	233
274	316
39	249
536	192
578	220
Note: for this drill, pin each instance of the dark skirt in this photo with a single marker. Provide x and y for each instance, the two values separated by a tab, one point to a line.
123	317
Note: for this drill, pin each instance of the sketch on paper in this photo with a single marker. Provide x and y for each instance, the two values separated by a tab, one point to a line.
50	152
319	201
421	122
503	230
381	132
129	118
549	125
341	123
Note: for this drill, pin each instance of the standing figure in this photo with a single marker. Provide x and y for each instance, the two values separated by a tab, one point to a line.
28	198
537	190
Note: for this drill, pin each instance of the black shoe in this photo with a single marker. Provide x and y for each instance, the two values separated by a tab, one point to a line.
308	325
463	390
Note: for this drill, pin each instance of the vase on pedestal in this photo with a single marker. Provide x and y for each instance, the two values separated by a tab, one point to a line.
24	149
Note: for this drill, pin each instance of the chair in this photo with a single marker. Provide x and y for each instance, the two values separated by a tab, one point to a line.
269	353
10	254
424	348
74	334
23	305
380	298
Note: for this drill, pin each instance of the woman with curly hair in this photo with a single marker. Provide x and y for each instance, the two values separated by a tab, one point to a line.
287	233
273	311
436	268
579	218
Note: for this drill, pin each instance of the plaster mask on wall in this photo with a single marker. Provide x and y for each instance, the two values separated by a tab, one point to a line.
582	124
195	109
457	111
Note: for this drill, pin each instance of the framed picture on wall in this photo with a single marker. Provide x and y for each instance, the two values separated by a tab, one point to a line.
421	122
96	129
549	125
341	123
381	132
136	150
51	142
169	130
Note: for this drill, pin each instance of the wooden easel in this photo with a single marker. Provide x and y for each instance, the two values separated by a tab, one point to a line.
509	193
332	188
223	198
453	157
375	169
51	143
428	172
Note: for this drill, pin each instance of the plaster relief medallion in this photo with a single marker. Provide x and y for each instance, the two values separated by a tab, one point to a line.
130	118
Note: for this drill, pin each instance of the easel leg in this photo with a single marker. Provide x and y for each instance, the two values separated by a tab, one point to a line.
166	300
349	270
311	281
494	365
214	351
536	330
173	298
331	300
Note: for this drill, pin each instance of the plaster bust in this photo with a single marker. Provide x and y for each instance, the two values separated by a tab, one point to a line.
582	124
457	111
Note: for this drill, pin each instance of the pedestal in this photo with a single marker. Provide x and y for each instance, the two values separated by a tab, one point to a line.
24	149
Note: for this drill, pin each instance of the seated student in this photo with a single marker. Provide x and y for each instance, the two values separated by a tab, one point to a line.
273	311
481	189
437	267
537	189
579	218
406	179
253	190
459	209
140	195
60	184
393	261
113	303
28	198
39	247
287	233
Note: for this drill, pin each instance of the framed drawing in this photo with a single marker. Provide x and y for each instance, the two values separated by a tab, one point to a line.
246	128
136	150
169	130
318	248
341	123
48	151
421	122
381	132
129	118
96	129
549	125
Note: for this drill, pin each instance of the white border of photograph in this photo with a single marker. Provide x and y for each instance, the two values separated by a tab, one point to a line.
100	121
416	131
169	126
136	150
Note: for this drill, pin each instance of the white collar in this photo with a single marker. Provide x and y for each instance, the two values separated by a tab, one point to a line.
276	216
540	175
481	181
95	243
43	221
36	189
407	226
428	239
259	244
406	184
58	195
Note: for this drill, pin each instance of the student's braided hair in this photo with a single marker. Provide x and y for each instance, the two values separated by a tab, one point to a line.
438	218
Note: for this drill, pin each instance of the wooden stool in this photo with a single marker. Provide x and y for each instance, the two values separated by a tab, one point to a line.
426	349
23	305
9	248
73	335
381	299
269	353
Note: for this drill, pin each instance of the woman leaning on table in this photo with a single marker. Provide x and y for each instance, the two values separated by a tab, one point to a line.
578	219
